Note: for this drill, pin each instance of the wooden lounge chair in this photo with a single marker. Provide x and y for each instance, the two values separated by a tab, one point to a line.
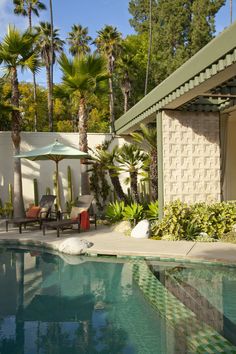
84	204
46	204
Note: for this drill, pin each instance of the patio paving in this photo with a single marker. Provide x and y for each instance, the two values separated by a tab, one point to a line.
107	242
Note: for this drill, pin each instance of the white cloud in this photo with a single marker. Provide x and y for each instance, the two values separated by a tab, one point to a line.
7	17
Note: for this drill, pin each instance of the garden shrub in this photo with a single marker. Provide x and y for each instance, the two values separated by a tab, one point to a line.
187	222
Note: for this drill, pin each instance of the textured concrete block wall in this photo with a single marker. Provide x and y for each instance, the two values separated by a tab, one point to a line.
191	156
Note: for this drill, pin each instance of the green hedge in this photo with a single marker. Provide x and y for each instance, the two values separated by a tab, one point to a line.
198	221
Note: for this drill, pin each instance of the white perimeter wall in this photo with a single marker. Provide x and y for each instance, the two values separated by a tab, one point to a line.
43	170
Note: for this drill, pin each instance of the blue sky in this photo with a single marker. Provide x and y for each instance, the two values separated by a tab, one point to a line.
91	13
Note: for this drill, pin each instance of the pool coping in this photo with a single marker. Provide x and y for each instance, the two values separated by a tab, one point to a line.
134	249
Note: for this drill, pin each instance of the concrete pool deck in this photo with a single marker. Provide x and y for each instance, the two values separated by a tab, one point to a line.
107	242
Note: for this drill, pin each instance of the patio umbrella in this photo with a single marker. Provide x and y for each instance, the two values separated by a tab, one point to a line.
55	152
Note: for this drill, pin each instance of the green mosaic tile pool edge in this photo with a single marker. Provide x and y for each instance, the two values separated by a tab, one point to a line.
200	337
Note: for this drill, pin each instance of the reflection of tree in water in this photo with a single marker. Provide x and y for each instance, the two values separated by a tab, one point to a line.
112	339
106	339
8	346
55	341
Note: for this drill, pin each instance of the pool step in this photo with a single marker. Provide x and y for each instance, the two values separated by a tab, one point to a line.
198	336
202	308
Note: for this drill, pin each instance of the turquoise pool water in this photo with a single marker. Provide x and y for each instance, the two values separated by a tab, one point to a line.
63	304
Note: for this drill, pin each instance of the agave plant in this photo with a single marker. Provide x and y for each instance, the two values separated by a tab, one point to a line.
152	212
133	213
114	211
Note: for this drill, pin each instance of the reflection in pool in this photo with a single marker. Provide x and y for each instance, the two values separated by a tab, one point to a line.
63	304
75	305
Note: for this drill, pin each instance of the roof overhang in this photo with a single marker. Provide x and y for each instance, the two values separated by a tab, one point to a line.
206	82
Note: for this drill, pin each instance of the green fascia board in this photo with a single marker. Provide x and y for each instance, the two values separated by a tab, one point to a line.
209	55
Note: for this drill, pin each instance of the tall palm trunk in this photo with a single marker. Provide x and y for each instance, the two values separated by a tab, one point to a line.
50	98
51	70
125	87
231	10
154	175
35	104
134	186
149	48
83	145
126	101
117	186
34	79
48	73
18	194
111	94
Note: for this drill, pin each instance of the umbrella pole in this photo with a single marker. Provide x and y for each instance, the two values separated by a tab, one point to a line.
57	185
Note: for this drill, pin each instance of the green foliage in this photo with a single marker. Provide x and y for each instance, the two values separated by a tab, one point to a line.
114	211
229	237
183	221
133	213
179	30
152	212
70	204
98	176
10	193
8	209
99	185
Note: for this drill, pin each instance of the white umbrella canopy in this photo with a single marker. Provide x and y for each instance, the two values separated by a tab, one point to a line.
55	152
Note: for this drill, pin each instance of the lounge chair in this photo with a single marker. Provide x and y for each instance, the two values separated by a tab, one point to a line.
84	204
46	214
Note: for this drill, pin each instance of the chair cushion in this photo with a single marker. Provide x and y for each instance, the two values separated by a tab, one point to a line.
33	212
44	212
75	211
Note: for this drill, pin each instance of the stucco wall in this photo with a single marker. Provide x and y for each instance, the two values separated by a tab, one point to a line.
43	170
191	156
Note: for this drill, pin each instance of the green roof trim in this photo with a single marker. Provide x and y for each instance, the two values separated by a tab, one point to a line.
213	59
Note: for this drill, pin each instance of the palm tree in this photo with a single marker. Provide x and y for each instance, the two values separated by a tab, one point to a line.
79	40
17	51
131	159
44	47
106	161
110	158
26	8
108	43
83	77
147	140
125	69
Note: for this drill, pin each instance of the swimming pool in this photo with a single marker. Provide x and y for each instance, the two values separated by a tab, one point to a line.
64	304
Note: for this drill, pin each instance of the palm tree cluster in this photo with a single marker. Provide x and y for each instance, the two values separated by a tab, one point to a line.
136	159
86	79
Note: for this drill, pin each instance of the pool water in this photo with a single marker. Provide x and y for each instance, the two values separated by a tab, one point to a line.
64	304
